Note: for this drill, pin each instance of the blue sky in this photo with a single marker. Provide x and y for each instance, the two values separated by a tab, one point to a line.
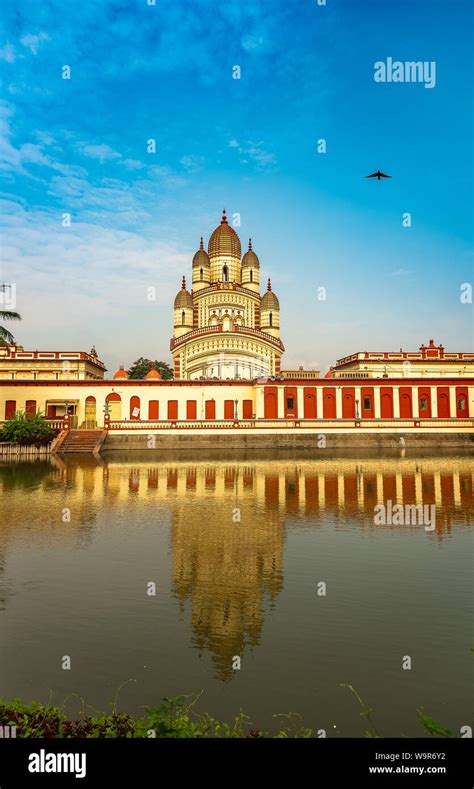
165	72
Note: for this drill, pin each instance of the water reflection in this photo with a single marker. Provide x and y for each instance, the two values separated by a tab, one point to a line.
228	520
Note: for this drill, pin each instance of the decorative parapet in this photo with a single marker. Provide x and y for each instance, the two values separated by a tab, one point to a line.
207	330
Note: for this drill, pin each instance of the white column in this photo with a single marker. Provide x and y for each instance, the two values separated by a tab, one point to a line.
452	401
470	404
357	396
377	402
338	402
434	401
319	402
281	402
300	402
414	400
396	402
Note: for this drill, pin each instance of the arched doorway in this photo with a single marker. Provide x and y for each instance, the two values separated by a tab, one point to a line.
270	403
462	403
90	418
386	403
406	409
424	403
135	407
115	405
225	274
348	403
309	403
443	402
329	404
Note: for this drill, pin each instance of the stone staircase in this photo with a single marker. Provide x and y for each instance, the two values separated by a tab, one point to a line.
82	441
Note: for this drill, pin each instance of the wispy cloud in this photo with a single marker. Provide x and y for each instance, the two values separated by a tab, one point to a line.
101	152
399	272
7	53
33	42
192	164
254	151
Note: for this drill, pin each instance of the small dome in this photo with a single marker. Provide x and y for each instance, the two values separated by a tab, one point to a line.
269	300
153	375
184	298
250	260
201	258
121	373
224	240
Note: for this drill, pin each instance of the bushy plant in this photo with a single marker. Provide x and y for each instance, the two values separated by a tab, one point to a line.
27	429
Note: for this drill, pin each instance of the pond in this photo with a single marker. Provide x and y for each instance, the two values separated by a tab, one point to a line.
164	571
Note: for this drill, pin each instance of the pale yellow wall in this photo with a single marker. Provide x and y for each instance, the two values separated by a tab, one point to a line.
51	370
222	350
181	393
217	265
146	393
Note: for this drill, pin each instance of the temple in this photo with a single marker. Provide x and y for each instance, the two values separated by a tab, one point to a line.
229	386
223	328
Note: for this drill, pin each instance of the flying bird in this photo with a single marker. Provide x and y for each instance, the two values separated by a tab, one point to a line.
378	175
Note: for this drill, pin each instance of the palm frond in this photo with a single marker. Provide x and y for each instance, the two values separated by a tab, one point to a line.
6	335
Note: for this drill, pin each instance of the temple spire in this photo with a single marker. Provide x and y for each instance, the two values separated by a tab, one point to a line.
183	285
269	286
201	245
250	244
224	217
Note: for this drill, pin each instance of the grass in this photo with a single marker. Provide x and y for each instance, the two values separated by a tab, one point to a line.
172	718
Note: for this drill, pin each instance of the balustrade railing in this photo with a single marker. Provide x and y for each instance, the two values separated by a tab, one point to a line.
315	424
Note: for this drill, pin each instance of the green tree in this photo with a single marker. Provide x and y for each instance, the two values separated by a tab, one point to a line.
142	367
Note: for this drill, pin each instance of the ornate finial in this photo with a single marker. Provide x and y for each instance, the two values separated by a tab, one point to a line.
250	244
184	283
269	286
201	245
224	218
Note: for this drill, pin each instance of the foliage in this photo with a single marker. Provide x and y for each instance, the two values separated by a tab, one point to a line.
173	718
429	724
366	712
27	429
432	726
142	367
5	335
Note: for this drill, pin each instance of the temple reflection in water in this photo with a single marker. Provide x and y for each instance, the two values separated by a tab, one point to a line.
228	520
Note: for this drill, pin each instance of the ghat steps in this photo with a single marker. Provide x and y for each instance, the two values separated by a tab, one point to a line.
81	441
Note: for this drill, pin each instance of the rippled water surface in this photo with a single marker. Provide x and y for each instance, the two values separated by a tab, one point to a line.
247	588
